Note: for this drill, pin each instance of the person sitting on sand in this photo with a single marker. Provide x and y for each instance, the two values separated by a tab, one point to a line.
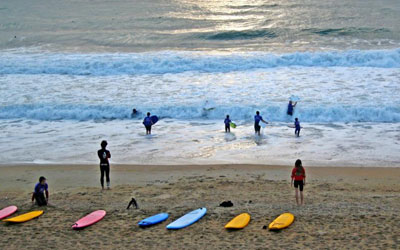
299	177
257	119
147	122
297	127
227	122
290	108
104	155
41	189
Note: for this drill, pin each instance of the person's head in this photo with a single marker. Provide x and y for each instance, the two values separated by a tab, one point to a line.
296	119
298	164
134	111
290	101
258	113
227	116
42	180
103	144
148	113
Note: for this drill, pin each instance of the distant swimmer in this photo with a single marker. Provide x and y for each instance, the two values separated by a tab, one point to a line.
290	107
227	122
134	113
147	122
41	193
257	119
299	178
104	155
297	127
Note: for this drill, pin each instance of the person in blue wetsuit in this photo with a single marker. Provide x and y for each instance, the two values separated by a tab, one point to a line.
41	193
227	122
257	119
297	127
147	122
290	108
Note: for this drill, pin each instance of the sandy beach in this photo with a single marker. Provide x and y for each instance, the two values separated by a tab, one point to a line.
344	207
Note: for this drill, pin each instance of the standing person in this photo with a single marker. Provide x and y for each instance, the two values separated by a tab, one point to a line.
104	155
297	127
227	122
147	122
41	189
299	177
290	107
257	119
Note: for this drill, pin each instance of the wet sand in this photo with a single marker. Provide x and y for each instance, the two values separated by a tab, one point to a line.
344	207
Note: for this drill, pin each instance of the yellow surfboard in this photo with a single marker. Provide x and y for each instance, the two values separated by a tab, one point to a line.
240	221
283	221
24	217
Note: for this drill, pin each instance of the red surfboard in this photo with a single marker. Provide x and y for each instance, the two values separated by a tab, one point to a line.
5	212
89	219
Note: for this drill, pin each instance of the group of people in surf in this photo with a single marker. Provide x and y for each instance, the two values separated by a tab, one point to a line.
148	123
258	118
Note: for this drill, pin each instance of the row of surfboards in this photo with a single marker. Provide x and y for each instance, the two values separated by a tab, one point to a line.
240	221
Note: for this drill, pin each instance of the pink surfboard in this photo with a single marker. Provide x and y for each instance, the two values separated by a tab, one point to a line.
89	219
5	212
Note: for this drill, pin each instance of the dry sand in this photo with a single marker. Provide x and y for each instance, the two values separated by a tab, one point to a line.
345	207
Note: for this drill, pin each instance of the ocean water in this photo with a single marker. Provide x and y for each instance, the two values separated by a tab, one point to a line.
71	72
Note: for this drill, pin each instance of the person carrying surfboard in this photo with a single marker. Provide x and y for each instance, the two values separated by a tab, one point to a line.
299	180
41	189
104	155
227	122
290	107
257	119
297	127
147	122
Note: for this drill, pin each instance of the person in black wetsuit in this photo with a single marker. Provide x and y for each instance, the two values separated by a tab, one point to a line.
290	108
104	155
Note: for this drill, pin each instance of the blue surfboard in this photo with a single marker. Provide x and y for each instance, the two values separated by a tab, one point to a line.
188	219
155	219
154	119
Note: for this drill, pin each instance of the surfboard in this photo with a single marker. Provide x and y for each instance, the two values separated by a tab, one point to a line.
282	221
24	217
155	219
89	219
154	119
7	211
188	219
294	98
240	221
233	125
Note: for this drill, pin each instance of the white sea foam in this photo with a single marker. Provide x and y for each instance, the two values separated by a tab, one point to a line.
178	62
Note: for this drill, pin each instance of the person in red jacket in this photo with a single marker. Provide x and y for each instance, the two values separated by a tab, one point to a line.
299	178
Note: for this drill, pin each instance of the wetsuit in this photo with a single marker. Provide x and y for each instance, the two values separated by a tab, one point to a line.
297	128
227	125
38	194
290	109
147	123
298	175
104	155
257	119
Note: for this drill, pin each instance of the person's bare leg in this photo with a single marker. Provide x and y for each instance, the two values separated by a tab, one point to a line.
297	196
301	197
